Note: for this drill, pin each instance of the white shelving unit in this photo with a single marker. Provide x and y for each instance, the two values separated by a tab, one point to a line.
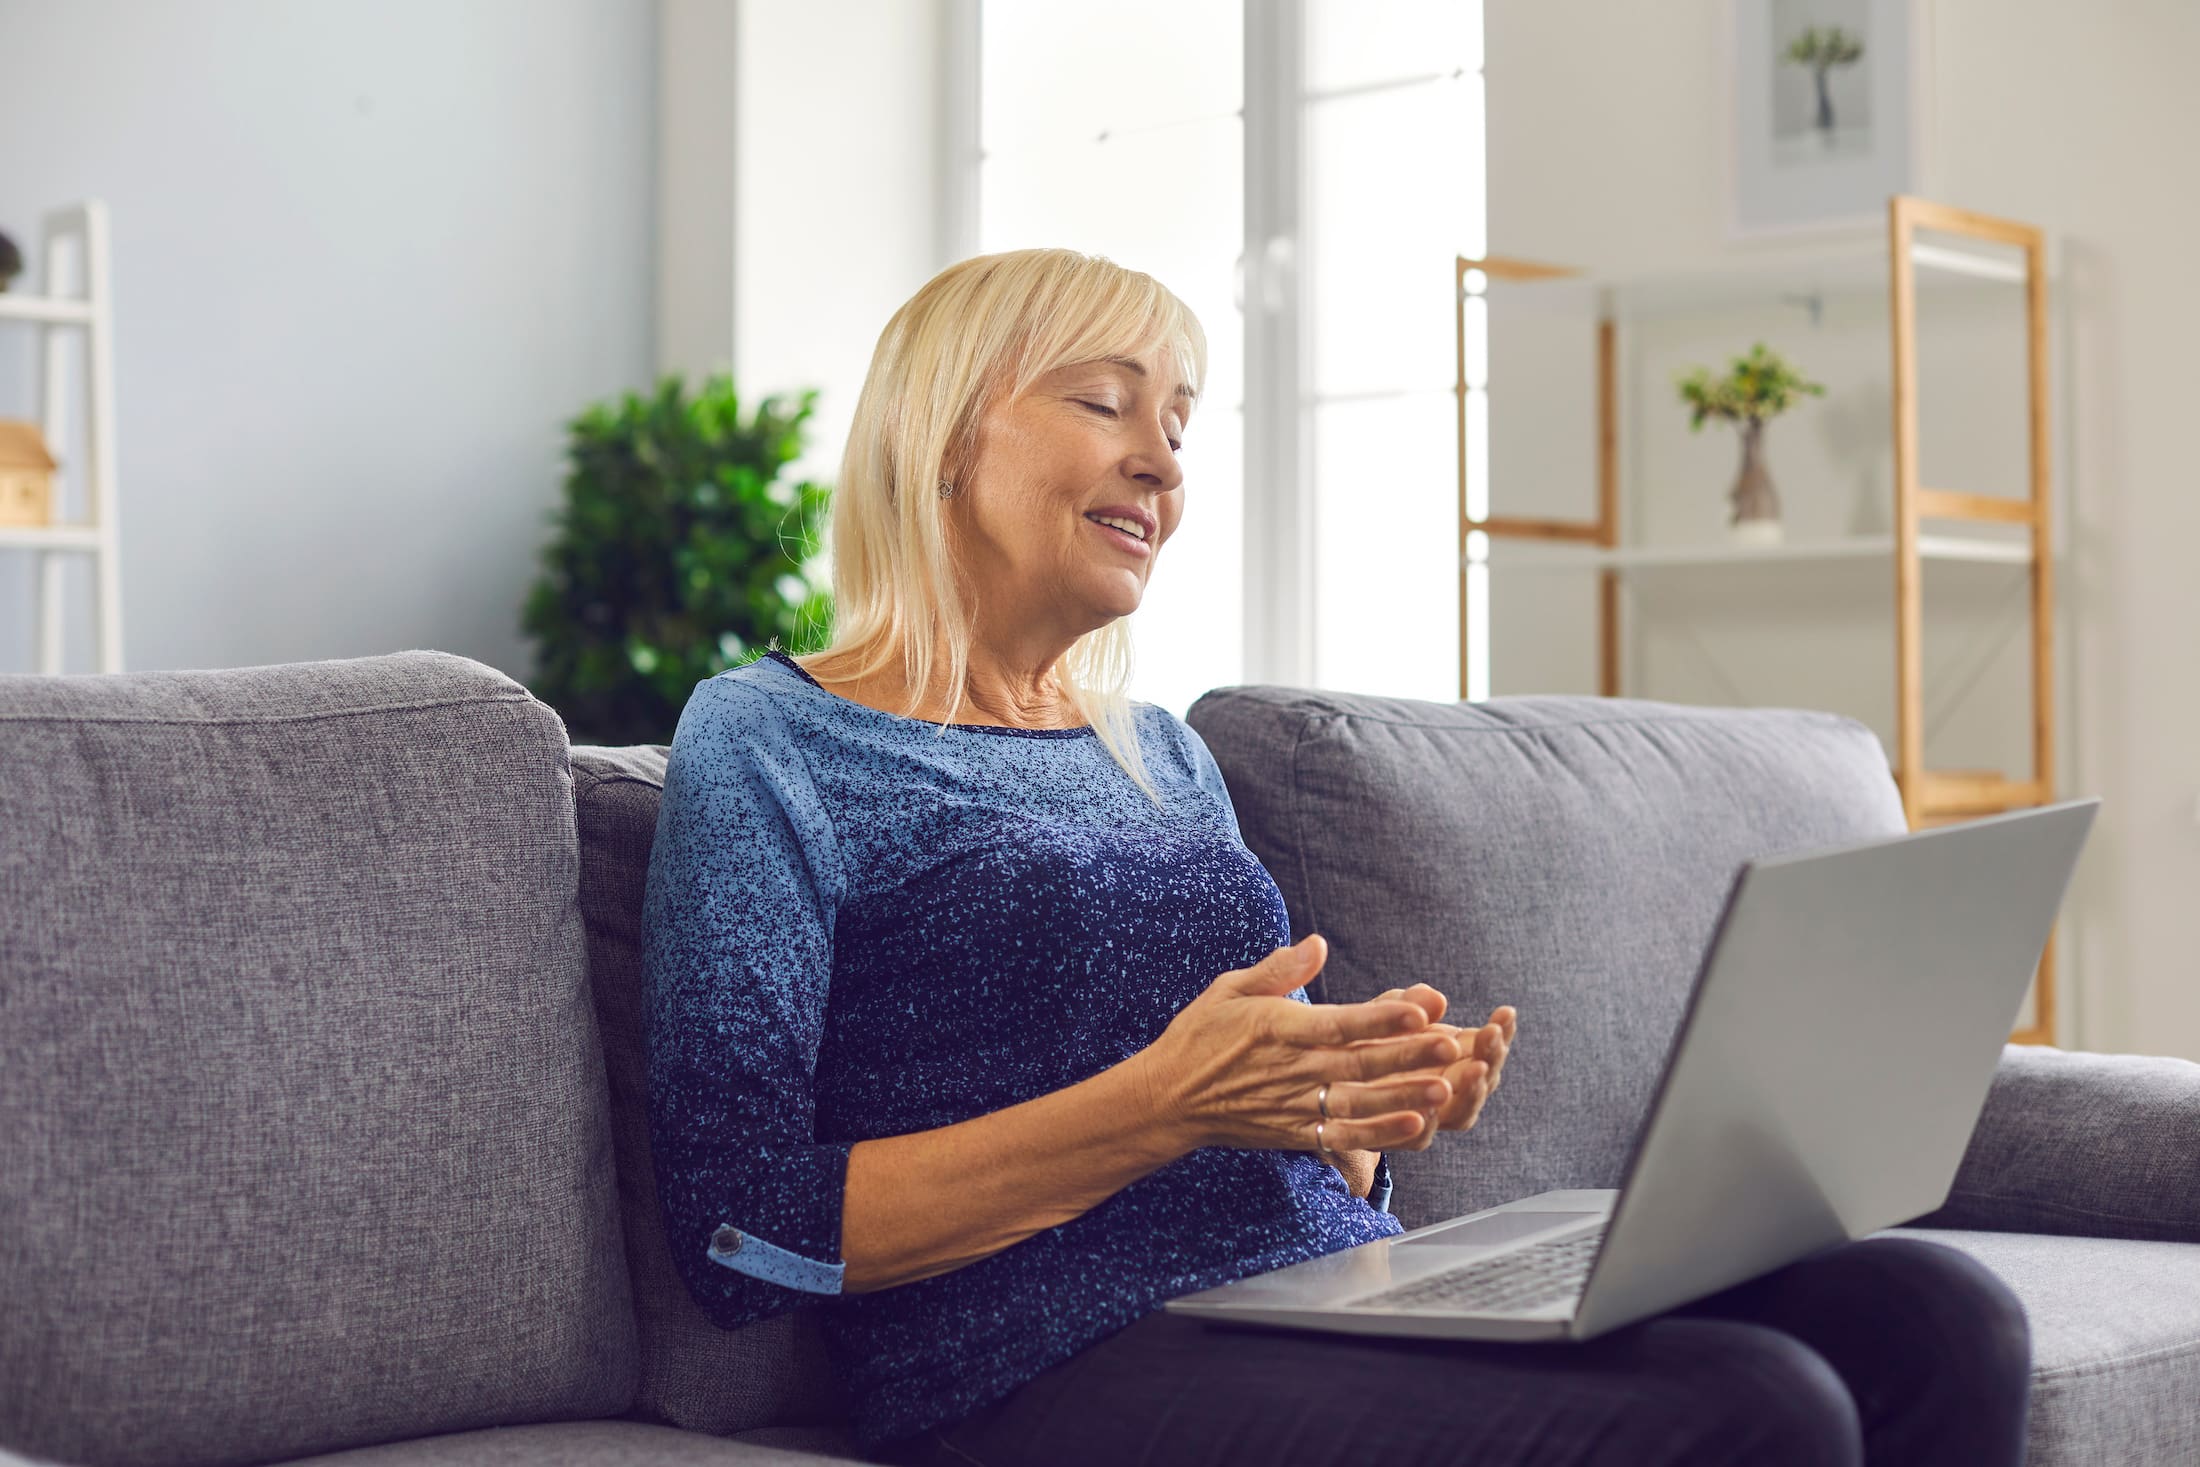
83	302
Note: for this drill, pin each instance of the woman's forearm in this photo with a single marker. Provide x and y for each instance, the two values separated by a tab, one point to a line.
931	1201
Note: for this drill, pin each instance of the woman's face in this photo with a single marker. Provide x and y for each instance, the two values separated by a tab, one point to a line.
1091	438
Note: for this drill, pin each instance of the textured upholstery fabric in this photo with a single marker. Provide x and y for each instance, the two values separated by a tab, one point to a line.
2115	1344
2098	1145
693	1374
303	1134
829	1441
1565	855
576	1444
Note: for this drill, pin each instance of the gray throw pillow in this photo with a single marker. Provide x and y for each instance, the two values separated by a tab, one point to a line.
303	1138
1568	856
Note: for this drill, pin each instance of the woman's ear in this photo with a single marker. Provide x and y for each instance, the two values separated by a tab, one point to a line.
954	466
961	455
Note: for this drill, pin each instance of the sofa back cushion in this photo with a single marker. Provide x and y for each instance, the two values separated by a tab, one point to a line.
1566	855
303	1133
693	1374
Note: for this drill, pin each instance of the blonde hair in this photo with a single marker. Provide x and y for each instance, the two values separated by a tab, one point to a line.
979	333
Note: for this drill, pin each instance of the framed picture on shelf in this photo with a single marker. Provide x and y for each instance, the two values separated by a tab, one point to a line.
1827	112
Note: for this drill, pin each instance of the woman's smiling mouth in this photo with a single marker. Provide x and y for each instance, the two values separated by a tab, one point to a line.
1122	538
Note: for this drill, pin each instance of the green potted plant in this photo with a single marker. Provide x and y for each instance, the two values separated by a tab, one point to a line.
1822	51
680	549
1759	386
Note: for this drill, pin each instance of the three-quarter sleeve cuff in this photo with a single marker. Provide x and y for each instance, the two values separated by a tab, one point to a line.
755	1230
746	1253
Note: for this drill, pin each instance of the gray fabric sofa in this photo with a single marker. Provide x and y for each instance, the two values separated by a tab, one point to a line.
321	1133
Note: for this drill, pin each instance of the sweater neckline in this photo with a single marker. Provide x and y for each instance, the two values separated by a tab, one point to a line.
786	660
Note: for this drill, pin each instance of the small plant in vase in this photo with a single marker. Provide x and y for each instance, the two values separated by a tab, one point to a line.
1758	387
1822	51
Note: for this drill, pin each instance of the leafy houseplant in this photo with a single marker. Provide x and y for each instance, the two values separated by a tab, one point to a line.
1759	386
678	551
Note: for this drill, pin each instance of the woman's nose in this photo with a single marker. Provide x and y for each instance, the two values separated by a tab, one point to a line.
1158	467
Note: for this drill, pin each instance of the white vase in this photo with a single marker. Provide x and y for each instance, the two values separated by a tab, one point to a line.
1754	532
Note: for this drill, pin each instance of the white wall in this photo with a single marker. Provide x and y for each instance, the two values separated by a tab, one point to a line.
368	256
843	192
697	118
1607	151
807	187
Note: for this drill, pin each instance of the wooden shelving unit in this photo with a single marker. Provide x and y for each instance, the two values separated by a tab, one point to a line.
1929	796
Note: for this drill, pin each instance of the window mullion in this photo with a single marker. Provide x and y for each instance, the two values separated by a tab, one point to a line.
1279	509
962	136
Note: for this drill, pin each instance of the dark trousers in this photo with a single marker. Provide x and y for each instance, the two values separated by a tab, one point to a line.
1887	1350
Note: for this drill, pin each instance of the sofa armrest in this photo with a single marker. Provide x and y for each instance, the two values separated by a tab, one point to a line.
2092	1145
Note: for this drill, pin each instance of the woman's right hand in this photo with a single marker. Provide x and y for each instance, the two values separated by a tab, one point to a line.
1242	1065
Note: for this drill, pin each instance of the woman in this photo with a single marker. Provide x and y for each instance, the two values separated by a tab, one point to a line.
974	1024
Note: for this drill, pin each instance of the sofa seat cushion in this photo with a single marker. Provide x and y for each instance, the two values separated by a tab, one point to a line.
830	1441
576	1444
693	1374
2115	1343
1569	856
303	1135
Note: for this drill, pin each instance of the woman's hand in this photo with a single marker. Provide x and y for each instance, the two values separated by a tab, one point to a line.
1474	1077
1241	1065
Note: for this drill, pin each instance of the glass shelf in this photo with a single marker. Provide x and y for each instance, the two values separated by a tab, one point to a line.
1513	555
1855	271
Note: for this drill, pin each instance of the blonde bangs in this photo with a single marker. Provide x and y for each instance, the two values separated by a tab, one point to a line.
982	331
1128	315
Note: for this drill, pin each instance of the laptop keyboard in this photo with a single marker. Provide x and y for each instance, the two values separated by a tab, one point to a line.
1509	1283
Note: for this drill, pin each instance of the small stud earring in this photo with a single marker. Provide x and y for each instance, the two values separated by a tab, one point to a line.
946	489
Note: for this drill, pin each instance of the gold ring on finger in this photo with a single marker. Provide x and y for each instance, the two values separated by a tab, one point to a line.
1327	1154
1321	1099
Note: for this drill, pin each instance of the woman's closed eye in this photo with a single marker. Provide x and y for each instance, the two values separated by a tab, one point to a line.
1175	445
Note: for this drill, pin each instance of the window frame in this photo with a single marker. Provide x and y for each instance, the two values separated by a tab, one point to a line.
1280	580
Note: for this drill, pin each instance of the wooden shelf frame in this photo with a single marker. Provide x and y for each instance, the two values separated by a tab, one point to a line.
1929	797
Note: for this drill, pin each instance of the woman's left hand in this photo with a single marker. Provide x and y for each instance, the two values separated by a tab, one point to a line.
1475	1075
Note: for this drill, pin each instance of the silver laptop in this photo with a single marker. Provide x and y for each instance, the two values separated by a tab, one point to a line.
1833	1060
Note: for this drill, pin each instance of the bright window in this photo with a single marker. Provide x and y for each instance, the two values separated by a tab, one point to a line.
1394	193
1129	138
1102	138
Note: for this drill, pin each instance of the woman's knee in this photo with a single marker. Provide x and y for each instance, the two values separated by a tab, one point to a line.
1744	1393
1974	1315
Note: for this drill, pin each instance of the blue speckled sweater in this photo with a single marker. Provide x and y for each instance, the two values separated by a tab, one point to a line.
857	928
